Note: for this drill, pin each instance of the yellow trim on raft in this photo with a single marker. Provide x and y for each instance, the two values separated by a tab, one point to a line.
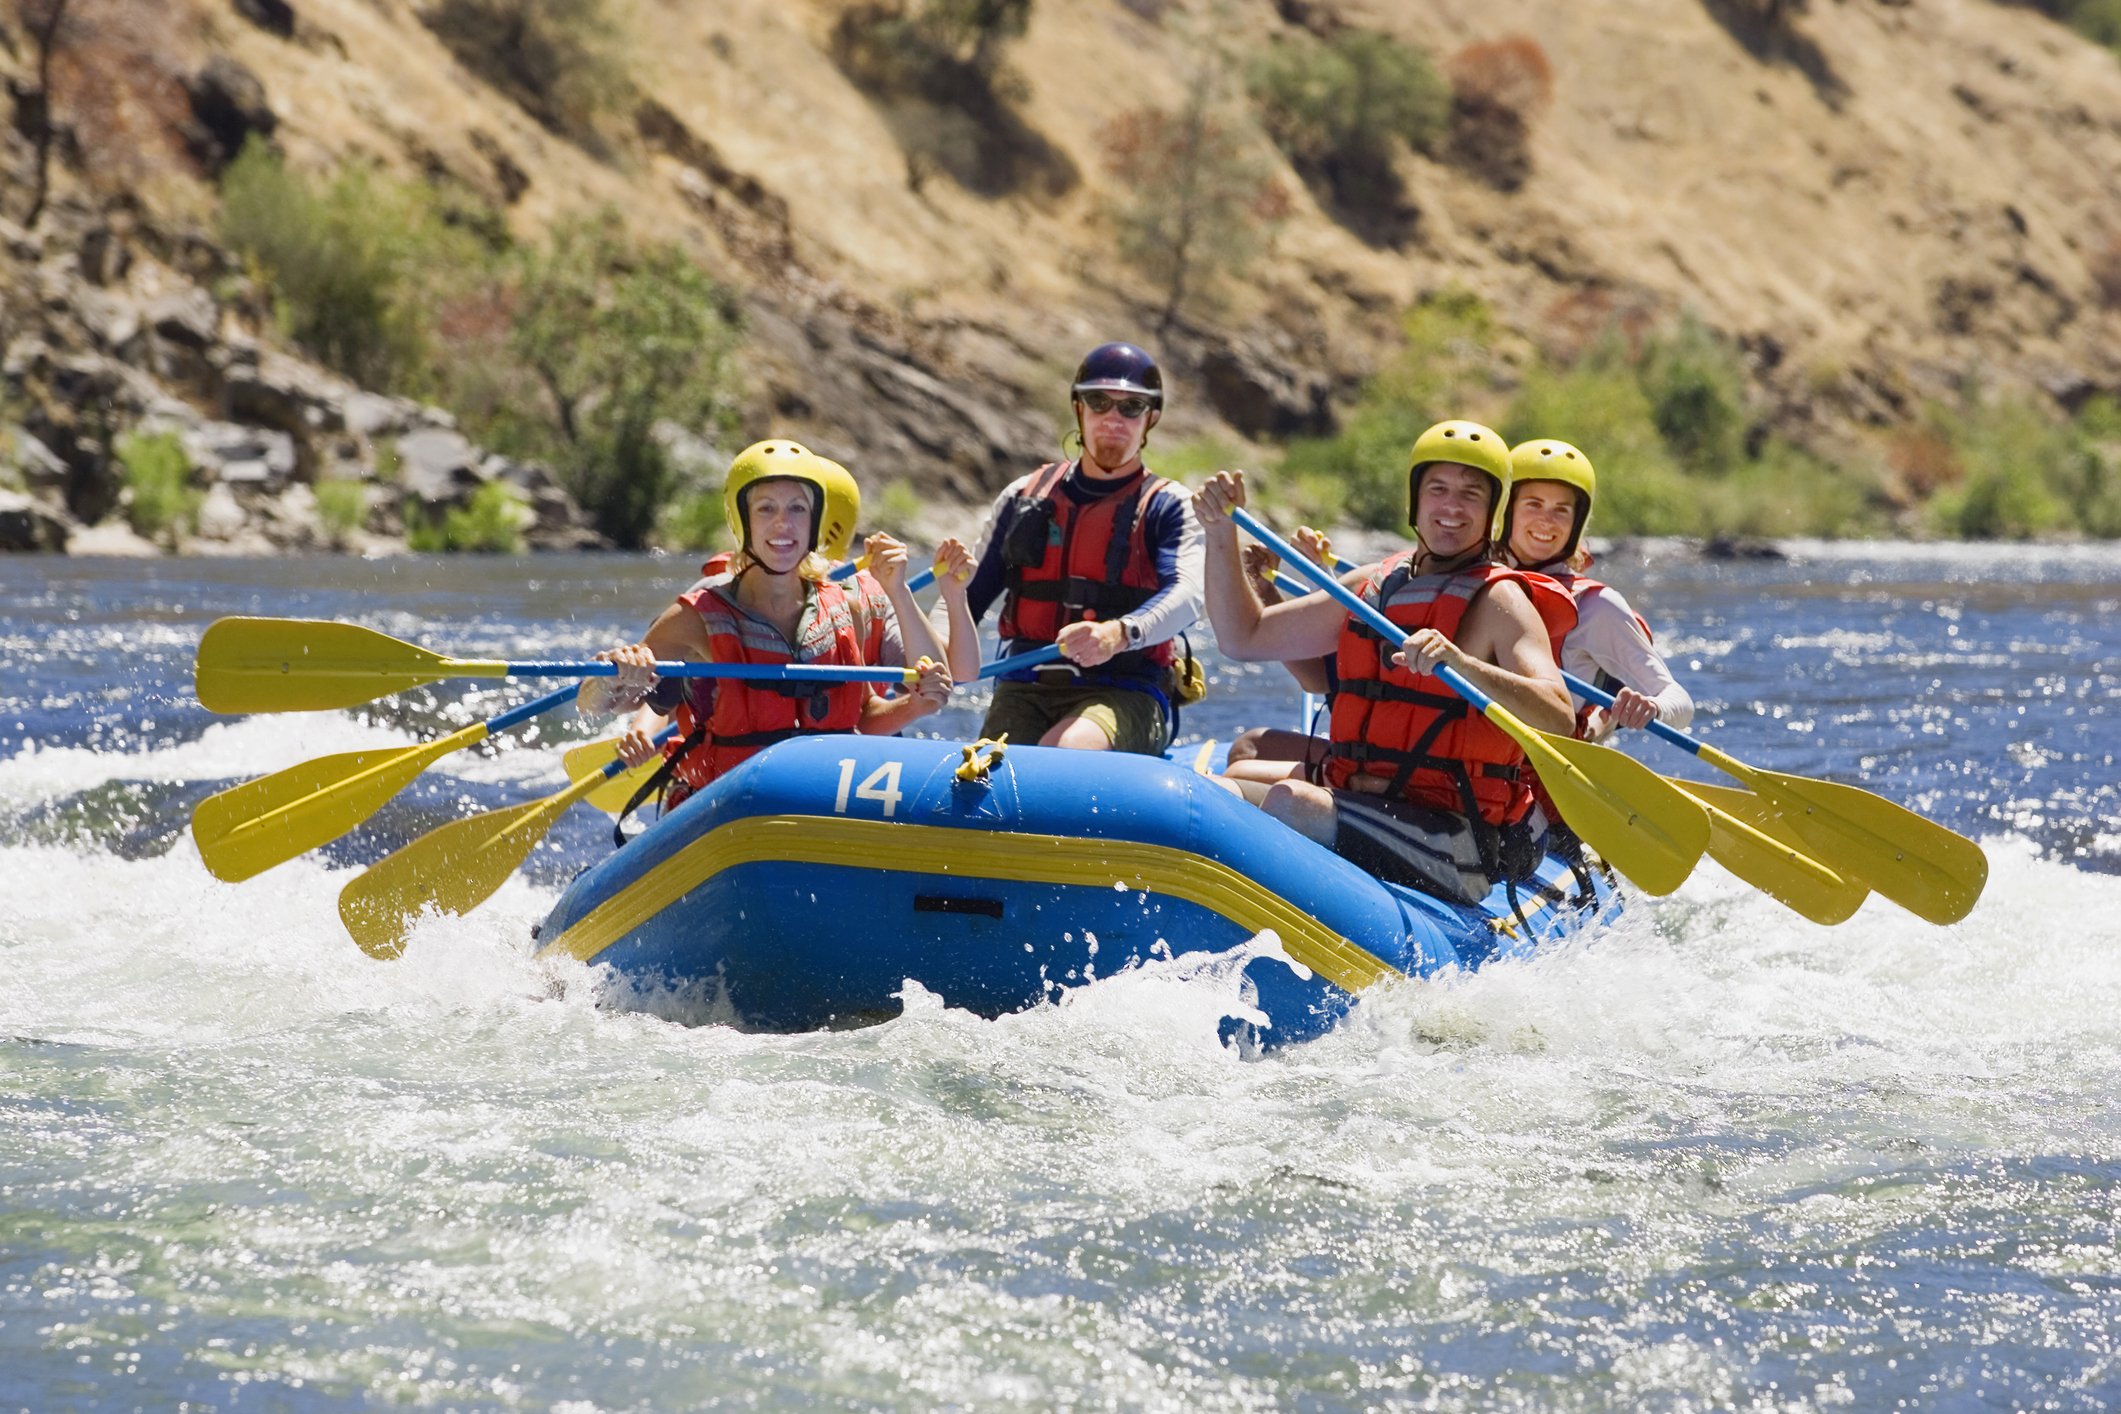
1200	762
1044	859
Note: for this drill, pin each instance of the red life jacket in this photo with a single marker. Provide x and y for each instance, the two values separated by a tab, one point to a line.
717	564
1067	563
743	718
1437	750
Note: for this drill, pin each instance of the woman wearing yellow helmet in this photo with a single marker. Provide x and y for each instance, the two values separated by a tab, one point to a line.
1552	488
774	606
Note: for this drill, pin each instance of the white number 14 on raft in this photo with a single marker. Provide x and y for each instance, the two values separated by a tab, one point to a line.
888	792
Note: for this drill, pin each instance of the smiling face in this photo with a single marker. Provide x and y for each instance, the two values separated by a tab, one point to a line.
1452	508
1542	513
779	513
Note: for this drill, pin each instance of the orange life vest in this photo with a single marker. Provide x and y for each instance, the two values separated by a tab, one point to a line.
742	718
1389	722
1066	563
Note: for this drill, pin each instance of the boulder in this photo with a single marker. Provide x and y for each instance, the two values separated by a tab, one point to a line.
250	458
273	390
439	466
272	16
28	524
111	318
1264	396
186	317
38	466
220	515
375	415
227	106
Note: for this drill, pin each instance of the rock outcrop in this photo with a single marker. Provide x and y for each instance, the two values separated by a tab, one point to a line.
112	331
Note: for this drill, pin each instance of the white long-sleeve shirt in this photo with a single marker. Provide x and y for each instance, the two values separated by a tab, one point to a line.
1608	638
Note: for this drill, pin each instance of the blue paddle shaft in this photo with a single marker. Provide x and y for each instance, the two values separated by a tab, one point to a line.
768	672
534	708
614	766
1657	727
1383	627
1021	660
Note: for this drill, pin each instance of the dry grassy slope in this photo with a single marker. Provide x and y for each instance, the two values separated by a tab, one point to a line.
1919	205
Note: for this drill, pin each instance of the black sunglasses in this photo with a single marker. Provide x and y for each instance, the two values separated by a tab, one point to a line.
1104	402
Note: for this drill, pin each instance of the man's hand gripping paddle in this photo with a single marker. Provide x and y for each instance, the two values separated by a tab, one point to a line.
1637	822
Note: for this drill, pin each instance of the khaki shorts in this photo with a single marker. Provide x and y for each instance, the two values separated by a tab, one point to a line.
1131	721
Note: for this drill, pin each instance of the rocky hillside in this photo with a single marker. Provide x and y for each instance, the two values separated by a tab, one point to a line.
1873	200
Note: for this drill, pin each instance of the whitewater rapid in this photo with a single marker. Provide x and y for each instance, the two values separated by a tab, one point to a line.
1717	1157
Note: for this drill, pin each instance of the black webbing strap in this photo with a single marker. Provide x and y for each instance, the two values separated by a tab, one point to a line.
655	783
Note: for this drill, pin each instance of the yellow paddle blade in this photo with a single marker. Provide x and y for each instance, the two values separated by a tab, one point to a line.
610	796
1748	838
313	665
1632	816
1930	871
249	828
456	868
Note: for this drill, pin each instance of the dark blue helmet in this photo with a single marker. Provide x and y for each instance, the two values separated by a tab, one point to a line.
1121	369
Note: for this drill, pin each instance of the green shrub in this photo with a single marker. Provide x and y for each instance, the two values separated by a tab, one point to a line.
1787	491
896	508
558	60
1367	462
620	336
1696	388
697	523
2097	20
340	261
341	506
1600	407
158	473
2026	471
1193	458
1334	108
490	523
1198	205
1447	367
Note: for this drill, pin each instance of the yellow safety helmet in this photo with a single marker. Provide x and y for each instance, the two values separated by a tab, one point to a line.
776	460
843	510
1468	444
1548	460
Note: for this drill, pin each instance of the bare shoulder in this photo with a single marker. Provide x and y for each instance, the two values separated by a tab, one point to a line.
1500	621
679	632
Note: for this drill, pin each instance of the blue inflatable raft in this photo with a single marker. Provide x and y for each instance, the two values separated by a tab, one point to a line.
803	888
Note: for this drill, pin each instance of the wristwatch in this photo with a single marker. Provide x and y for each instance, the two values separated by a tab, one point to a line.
1132	630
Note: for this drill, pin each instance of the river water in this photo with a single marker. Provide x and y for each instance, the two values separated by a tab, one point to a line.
1718	1158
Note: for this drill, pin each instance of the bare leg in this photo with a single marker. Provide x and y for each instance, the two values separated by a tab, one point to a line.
1275	744
1304	808
1077	734
1264	770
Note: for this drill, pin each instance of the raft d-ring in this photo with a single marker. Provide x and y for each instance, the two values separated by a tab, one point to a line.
976	766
